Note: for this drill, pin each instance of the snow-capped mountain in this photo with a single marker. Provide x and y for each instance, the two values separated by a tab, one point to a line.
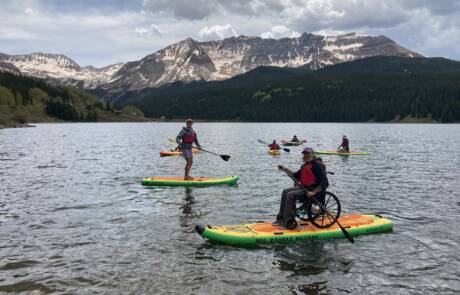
61	68
190	60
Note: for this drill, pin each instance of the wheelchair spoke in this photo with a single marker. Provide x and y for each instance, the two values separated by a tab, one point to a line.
331	206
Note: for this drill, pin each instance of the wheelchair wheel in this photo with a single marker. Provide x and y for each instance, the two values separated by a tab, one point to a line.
317	216
291	224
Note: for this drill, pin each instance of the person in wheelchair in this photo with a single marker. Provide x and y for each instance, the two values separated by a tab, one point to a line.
312	176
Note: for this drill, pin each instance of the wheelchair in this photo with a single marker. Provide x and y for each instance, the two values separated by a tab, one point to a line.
306	209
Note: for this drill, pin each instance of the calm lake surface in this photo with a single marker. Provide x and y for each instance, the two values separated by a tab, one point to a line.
74	218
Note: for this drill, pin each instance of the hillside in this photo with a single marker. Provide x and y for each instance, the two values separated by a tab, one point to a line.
373	89
24	99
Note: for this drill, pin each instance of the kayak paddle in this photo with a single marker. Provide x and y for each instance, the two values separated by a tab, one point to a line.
263	142
224	157
345	233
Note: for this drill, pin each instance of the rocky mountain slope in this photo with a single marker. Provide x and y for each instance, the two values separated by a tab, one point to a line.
59	67
190	60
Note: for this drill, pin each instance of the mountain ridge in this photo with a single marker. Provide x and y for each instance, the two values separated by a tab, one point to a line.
60	68
191	60
395	87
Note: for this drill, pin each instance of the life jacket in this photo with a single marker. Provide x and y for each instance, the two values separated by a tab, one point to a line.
344	143
189	138
307	177
274	146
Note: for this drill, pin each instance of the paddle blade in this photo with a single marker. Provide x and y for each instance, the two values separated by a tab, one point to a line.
261	141
286	150
225	157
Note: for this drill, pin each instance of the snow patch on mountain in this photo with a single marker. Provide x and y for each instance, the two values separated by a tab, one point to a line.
61	68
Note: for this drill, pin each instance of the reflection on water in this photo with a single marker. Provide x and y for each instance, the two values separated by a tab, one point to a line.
310	258
188	214
74	218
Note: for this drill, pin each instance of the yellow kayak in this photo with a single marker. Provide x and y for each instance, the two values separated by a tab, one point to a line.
274	152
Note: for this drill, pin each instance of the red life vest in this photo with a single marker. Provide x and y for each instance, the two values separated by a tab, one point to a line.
189	138
274	146
307	177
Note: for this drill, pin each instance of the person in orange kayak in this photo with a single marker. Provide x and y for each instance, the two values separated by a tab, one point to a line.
312	176
345	145
185	139
274	146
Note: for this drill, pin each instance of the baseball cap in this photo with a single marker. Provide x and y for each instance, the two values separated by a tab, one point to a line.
189	120
307	150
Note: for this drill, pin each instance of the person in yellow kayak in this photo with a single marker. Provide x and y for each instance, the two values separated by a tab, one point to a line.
185	139
344	147
312	176
274	146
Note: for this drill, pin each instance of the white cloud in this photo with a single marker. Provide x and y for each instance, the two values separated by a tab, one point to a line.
29	11
278	31
267	35
151	31
216	32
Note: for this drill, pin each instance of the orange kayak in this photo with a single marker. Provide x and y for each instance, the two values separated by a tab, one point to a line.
175	153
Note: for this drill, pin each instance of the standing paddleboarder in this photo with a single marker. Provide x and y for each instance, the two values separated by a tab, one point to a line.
185	139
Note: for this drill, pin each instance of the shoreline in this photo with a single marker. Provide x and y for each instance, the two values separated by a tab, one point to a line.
14	124
28	125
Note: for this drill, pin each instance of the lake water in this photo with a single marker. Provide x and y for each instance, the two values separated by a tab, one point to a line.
74	218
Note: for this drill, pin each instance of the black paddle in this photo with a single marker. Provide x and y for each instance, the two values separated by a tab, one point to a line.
345	233
263	142
224	157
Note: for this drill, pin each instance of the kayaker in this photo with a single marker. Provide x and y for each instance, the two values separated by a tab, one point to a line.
344	146
274	146
185	139
312	176
295	139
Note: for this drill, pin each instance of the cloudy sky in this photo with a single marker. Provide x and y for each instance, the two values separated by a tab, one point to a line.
101	32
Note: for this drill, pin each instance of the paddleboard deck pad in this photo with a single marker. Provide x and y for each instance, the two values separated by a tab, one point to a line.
265	233
196	181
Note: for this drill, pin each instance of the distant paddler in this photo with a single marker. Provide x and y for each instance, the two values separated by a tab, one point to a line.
274	146
344	147
185	139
